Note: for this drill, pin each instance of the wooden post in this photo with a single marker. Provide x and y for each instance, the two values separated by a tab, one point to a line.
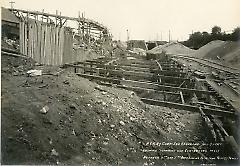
56	17
182	99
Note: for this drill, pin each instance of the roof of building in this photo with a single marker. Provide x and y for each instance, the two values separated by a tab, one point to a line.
7	15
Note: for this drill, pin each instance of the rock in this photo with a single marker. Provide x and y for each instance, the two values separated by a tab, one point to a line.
132	119
98	87
112	126
33	73
73	106
16	73
178	130
89	105
125	99
44	110
122	123
105	143
66	82
73	132
104	93
54	152
5	69
99	102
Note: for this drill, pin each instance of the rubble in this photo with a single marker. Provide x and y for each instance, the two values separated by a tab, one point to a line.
33	73
44	110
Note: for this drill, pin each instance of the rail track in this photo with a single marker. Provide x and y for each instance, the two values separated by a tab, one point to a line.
208	63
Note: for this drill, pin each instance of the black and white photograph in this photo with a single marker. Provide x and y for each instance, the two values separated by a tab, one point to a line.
120	82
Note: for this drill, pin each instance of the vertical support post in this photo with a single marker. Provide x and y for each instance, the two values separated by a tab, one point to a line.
56	17
182	99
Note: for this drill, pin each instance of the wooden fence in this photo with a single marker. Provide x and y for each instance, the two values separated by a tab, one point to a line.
46	43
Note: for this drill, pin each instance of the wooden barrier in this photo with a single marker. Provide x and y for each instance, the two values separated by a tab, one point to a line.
46	43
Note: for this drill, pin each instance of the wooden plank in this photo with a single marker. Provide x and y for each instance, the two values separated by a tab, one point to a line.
29	41
14	54
182	98
53	45
192	108
147	84
139	89
49	55
98	65
131	73
38	43
56	46
25	39
20	37
33	39
52	42
61	45
45	44
211	105
95	24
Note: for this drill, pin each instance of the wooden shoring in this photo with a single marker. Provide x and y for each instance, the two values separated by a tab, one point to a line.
182	98
212	105
146	84
123	72
207	111
139	73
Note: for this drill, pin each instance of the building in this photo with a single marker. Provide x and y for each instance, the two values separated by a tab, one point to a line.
136	44
10	24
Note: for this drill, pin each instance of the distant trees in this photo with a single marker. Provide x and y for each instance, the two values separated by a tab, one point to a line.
216	30
235	36
199	39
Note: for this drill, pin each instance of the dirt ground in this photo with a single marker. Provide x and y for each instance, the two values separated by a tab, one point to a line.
85	123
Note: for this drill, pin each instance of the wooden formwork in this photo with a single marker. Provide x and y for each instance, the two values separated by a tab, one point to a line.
46	43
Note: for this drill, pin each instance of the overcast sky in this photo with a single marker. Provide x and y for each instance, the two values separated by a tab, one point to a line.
146	19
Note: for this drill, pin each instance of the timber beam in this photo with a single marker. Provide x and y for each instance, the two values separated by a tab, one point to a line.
207	111
130	73
124	71
146	84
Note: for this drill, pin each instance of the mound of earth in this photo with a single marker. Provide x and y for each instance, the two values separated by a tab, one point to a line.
227	53
224	52
204	50
171	48
59	118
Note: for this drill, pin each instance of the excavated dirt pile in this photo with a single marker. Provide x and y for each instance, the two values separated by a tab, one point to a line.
204	50
171	48
227	53
223	52
60	118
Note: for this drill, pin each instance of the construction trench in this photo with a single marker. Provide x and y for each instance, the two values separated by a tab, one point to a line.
82	108
167	82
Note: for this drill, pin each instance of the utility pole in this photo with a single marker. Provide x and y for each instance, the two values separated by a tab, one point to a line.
169	36
161	35
11	2
127	35
193	39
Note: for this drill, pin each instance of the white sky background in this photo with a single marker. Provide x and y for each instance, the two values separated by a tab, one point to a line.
146	19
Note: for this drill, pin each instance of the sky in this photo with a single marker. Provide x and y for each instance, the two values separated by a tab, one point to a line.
146	19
